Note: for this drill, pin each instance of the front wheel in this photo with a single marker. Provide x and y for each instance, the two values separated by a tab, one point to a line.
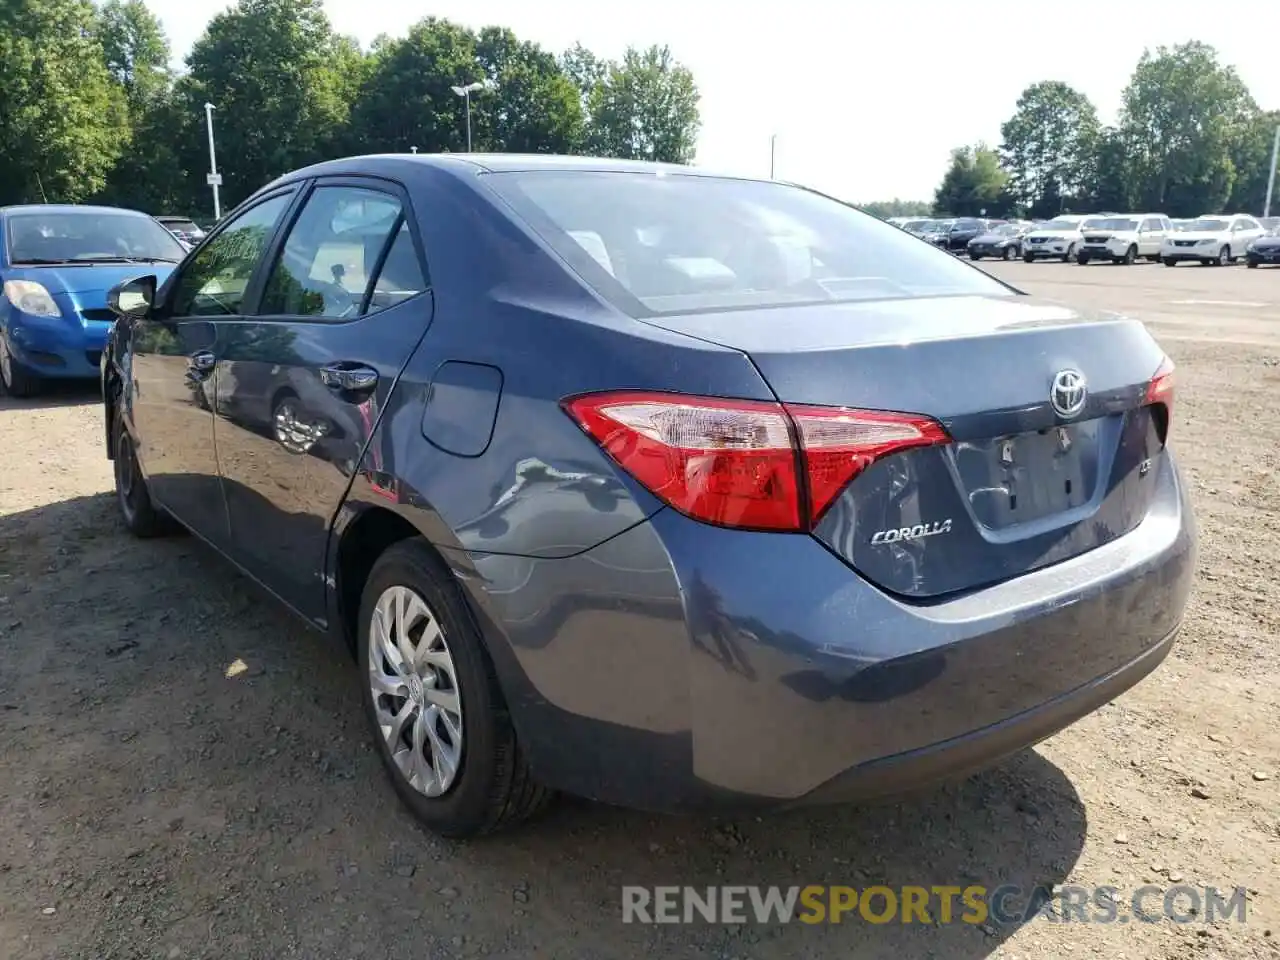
1010	253
1071	252
1224	257
974	256
1170	262
438	717
1252	264
1130	256
141	516
1082	259
16	379
1027	258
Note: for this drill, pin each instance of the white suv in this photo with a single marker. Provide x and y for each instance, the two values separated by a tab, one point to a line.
1216	241
1124	239
1059	238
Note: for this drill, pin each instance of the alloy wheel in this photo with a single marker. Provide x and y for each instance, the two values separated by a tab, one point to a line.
415	691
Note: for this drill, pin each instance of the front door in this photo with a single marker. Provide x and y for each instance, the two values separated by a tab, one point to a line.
301	382
174	360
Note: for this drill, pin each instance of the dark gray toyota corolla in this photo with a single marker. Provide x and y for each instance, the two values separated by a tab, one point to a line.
666	489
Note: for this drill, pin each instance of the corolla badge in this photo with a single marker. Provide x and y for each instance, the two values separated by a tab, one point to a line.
916	532
1068	393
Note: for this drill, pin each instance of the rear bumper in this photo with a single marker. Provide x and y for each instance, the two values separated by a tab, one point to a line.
680	666
57	346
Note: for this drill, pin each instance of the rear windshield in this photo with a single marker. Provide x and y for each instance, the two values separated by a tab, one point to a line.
76	236
670	243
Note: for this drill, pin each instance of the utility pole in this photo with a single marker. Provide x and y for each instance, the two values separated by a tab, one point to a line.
1271	180
213	179
773	144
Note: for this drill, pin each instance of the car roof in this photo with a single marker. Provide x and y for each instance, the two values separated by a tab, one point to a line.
387	163
66	208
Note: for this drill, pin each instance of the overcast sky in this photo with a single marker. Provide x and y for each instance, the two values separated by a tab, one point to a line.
866	99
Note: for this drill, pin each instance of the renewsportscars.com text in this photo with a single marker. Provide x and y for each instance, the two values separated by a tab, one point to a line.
938	904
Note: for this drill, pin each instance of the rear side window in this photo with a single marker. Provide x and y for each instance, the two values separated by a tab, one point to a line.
665	244
325	265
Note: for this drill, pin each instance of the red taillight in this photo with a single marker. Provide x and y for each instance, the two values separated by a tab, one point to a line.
737	463
1160	390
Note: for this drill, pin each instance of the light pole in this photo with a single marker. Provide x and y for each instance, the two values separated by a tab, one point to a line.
465	92
773	143
1271	180
213	179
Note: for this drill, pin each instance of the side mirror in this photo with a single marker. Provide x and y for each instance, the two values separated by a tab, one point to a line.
134	298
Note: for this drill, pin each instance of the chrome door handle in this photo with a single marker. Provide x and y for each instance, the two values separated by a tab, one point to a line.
352	378
203	362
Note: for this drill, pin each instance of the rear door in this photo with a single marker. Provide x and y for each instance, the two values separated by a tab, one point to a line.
301	382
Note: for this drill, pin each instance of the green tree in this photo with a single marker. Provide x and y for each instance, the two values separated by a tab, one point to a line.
535	108
1048	145
973	185
62	120
1252	160
1110	179
645	108
897	208
150	175
135	50
268	67
1183	115
585	70
407	99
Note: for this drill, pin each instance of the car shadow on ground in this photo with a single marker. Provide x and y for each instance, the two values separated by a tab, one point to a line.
217	745
54	393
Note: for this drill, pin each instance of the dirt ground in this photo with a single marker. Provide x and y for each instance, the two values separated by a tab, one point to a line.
150	806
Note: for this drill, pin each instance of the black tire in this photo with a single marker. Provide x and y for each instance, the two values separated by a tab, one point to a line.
141	516
974	256
15	379
1081	259
1130	256
1070	254
1011	252
1027	258
1252	264
493	787
1170	262
1224	256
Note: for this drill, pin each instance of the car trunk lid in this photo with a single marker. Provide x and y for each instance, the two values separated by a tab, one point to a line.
1022	484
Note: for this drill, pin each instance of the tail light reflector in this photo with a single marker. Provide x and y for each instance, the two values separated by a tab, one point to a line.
744	463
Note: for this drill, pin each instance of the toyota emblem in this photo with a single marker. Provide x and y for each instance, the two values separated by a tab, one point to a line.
1068	393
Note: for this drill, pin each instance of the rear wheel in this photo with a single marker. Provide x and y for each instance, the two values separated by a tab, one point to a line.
16	379
141	517
432	698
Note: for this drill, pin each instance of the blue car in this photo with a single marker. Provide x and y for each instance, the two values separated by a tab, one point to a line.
665	489
56	265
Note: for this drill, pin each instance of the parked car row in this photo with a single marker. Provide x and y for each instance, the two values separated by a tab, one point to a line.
1108	237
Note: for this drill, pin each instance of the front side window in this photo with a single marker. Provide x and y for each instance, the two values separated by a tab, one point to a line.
88	236
213	282
324	266
669	244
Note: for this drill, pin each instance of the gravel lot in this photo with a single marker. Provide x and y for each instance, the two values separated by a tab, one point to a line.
150	806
